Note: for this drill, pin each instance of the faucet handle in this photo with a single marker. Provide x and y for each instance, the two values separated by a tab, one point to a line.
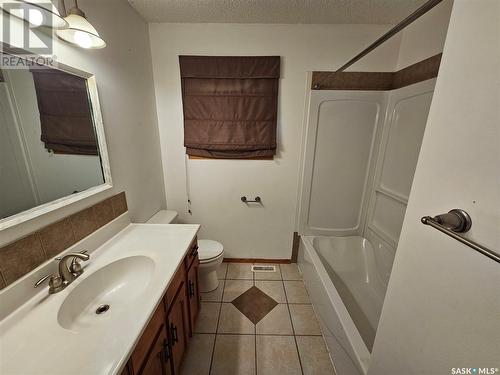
55	282
42	280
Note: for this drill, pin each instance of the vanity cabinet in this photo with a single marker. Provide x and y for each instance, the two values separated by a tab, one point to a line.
193	293
161	348
178	328
159	360
155	327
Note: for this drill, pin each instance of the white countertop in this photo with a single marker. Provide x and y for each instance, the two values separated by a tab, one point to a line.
33	342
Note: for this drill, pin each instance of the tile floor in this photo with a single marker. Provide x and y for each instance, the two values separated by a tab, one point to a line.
257	323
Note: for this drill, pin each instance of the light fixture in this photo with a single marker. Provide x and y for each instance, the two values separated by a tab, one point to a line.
80	31
35	12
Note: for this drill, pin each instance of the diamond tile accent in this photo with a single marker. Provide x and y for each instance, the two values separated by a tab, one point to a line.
254	304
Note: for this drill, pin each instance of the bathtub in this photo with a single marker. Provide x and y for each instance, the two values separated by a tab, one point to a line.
347	293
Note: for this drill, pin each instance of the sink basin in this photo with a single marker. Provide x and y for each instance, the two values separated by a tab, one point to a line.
105	293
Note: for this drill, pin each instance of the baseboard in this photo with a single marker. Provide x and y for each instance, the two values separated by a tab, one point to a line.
256	260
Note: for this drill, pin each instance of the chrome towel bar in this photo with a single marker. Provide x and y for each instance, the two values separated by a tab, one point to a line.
458	221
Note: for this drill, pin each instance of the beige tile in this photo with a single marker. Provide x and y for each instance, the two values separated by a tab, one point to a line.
199	355
57	237
207	319
304	320
239	271
268	275
221	271
273	289
21	257
314	356
119	204
233	321
103	212
296	292
234	288
234	355
290	272
277	355
83	223
215	295
277	322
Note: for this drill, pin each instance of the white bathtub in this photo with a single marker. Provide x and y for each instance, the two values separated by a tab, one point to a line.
347	293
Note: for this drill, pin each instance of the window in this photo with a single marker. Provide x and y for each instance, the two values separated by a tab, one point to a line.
230	106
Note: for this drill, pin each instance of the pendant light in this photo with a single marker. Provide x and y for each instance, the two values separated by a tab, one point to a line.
35	12
80	31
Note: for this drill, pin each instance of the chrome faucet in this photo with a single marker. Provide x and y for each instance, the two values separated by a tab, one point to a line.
66	275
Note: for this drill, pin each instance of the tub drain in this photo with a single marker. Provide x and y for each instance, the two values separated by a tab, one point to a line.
102	309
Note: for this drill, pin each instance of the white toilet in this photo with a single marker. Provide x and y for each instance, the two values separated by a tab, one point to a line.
210	253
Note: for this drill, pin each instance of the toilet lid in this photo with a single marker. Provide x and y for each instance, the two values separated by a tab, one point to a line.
209	249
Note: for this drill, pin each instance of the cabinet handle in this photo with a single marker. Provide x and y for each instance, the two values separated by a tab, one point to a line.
191	289
173	333
166	350
194	251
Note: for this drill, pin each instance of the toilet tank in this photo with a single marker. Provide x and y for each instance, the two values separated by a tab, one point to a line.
163	217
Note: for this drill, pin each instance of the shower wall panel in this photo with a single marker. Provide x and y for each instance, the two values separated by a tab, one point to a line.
341	136
403	130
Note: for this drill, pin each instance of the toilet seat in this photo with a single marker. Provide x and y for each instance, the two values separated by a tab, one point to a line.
209	250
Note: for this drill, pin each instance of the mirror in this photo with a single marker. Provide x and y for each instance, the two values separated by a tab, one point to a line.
52	147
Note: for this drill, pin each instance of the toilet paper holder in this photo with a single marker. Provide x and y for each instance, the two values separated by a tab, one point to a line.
257	199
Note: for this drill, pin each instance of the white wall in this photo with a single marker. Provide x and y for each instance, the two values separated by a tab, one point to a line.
442	305
217	185
54	176
124	80
425	37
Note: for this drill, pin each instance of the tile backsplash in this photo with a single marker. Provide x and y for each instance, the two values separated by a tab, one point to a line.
27	253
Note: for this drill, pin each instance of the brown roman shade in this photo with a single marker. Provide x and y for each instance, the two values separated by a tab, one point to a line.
65	113
230	105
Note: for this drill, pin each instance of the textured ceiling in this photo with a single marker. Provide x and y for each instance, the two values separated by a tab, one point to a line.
276	11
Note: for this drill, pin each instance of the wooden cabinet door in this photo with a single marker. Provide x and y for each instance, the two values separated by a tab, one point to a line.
147	340
158	362
178	326
193	294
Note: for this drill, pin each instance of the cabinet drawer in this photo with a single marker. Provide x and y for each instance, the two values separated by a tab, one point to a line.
192	253
177	282
156	323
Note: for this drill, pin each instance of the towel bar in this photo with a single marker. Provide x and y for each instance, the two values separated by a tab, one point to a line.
458	221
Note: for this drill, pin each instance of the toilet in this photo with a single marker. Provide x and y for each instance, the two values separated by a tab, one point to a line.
210	253
163	217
